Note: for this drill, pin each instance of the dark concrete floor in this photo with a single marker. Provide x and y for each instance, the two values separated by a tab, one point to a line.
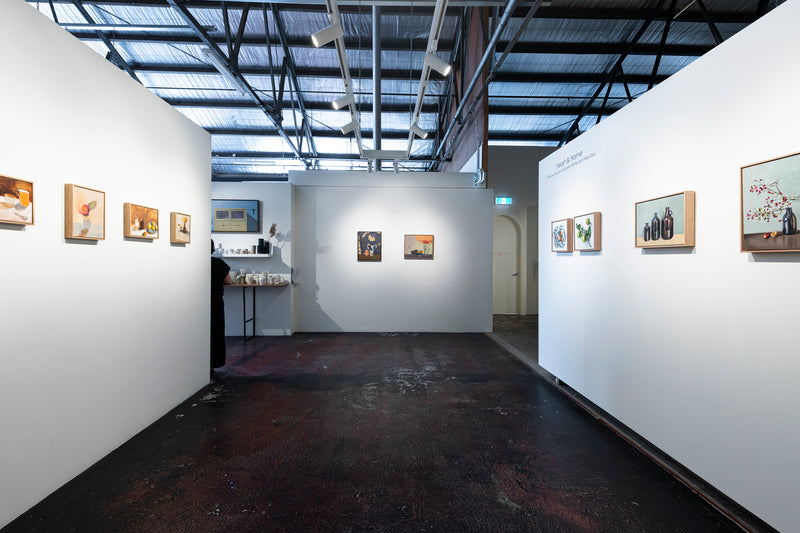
371	432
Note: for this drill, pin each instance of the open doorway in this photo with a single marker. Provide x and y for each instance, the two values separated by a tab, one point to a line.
505	266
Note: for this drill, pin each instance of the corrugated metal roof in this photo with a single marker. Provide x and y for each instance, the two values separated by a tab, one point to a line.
563	57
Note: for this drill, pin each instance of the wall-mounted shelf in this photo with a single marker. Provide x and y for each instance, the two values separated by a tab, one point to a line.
254	256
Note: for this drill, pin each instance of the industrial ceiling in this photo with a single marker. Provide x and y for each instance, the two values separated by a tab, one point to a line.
248	73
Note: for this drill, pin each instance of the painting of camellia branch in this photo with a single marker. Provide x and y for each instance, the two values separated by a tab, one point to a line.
769	220
587	232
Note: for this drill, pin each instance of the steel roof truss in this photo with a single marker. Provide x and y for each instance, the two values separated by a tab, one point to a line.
114	56
664	34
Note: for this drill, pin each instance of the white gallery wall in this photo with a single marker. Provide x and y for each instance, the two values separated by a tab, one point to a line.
100	339
273	311
335	292
691	348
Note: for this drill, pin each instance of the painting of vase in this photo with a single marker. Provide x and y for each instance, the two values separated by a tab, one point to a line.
369	245
84	213
180	228
418	247
768	212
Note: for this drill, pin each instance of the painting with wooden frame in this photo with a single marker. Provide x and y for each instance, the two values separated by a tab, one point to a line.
180	228
84	213
665	222
369	245
587	232
418	246
16	201
561	235
140	222
768	222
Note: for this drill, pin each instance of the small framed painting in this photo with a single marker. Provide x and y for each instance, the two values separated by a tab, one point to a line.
561	235
16	201
768	219
369	245
666	222
235	216
84	213
418	247
587	232
140	222
180	228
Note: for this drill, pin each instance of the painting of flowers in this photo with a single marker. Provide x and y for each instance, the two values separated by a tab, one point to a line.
84	213
768	209
587	232
180	228
369	245
561	235
16	201
418	247
140	222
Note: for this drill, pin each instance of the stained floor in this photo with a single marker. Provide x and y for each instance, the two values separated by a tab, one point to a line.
374	432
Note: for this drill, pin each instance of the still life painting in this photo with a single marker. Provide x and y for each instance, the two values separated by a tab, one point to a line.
769	190
587	232
180	228
369	245
561	235
16	201
140	222
84	213
418	247
665	222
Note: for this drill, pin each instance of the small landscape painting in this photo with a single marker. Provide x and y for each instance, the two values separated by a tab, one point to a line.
768	216
16	201
561	235
418	247
665	222
180	228
84	213
369	245
587	232
140	222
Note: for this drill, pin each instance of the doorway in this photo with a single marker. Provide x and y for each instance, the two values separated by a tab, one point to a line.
505	266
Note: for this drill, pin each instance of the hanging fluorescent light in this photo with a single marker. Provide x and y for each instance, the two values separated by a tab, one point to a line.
350	126
436	63
344	101
223	69
419	132
385	154
323	37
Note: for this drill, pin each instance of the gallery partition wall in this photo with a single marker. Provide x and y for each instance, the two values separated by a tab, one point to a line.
102	333
687	344
412	285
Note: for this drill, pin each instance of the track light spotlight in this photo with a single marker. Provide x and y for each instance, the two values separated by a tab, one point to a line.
437	64
323	37
344	101
350	126
419	132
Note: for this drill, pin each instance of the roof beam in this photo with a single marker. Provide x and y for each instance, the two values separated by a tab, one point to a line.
115	56
269	111
394	45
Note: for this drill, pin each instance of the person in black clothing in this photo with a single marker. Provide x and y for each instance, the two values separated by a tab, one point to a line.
220	276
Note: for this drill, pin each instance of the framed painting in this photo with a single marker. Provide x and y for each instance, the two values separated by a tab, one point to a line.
561	235
16	201
418	247
140	222
84	213
235	216
665	222
180	228
369	245
586	235
768	219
